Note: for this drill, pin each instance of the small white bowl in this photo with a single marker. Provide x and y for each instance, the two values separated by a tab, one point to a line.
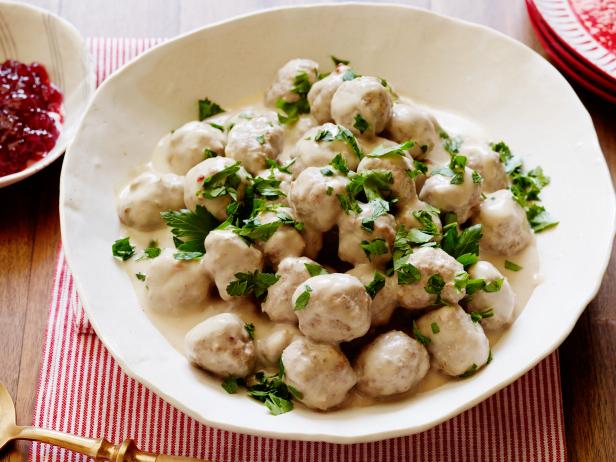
30	34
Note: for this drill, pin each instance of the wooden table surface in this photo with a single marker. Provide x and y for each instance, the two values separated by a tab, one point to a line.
30	233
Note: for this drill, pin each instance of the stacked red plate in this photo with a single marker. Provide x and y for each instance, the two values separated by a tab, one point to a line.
580	37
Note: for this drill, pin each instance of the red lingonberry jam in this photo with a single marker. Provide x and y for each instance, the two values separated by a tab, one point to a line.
29	115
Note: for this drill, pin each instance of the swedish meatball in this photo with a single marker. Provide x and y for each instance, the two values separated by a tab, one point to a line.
410	122
505	227
434	265
286	241
175	286
459	345
362	99
487	163
292	272
321	373
221	345
402	187
271	346
461	199
183	148
314	197
252	140
384	300
194	193
318	146
356	229
285	81
322	91
141	201
226	254
337	310
418	214
501	302
392	363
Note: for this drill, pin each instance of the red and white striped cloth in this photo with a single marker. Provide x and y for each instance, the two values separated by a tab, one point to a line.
83	391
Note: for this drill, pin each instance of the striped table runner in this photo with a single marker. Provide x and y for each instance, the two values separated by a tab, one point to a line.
83	391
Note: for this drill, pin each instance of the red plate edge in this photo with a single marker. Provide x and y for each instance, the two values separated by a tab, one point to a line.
604	94
531	4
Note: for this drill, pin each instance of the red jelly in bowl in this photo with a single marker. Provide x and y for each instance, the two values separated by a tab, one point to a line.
30	115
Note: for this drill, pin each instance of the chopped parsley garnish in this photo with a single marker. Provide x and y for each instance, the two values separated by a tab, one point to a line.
326	171
250	329
450	144
151	251
323	135
494	285
123	249
329	190
420	169
222	183
231	384
377	283
248	283
526	187
477	178
348	204
474	285
314	269
261	139
435	328
140	276
457	243
287	219
208	108
217	126
344	134
208	153
374	248
303	299
273	392
375	184
255	231
182	255
468	259
477	316
398	150
455	170
361	124
350	74
425	217
419	237
271	163
470	371
490	357
511	266
190	229
435	285
265	187
407	274
378	207
340	164
420	337
339	61
292	111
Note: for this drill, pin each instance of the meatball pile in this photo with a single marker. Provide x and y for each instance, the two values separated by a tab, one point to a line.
335	217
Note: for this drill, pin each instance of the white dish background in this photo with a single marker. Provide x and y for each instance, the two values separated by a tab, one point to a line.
448	64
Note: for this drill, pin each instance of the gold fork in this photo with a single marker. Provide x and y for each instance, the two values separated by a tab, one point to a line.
98	449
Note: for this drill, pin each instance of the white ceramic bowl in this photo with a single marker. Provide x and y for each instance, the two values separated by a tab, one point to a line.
513	92
31	34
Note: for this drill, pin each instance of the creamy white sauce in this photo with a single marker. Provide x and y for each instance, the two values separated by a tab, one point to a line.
174	328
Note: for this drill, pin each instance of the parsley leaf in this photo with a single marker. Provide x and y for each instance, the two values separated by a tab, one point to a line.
510	161
271	163
303	299
451	145
494	285
151	251
398	150
408	274
420	169
477	178
140	276
265	187
539	218
435	285
344	134
190	229
377	283
250	329
477	316
314	269
435	328
182	255
123	249
248	283
339	61
217	126
255	231
208	153
231	384
273	392
350	74
222	183
511	266
208	108
374	247
378	208
348	204
470	371
361	124
340	164
419	337
457	243
292	111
